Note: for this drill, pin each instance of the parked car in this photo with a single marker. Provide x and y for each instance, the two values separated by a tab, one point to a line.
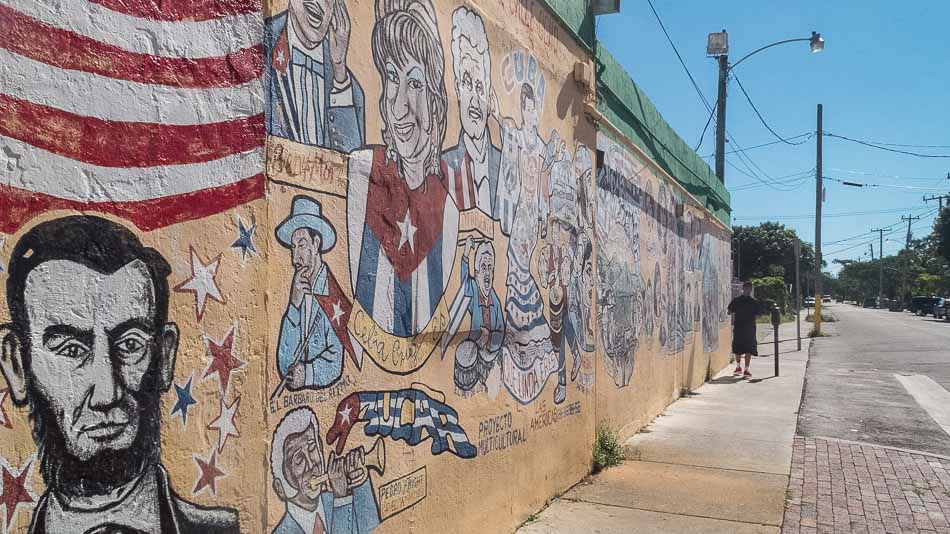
826	299
809	302
940	309
870	302
923	305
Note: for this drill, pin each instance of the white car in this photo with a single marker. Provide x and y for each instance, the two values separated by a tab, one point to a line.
809	302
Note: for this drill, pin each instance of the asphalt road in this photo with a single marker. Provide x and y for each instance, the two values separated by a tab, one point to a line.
883	378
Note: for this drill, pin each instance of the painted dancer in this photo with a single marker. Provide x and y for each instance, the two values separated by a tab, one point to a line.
744	309
529	358
402	223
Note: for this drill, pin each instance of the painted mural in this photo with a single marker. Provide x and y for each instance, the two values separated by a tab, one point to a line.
318	266
434	263
660	265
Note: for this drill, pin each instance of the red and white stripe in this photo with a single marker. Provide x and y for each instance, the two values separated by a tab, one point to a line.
151	110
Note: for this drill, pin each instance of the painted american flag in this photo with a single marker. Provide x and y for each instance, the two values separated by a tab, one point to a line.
150	110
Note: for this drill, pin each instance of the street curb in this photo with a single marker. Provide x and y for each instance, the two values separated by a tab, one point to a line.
876	446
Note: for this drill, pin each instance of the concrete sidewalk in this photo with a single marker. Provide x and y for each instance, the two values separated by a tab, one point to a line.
716	461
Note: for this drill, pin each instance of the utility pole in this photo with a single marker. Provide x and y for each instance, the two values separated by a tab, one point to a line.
909	220
880	270
721	117
938	198
819	198
798	294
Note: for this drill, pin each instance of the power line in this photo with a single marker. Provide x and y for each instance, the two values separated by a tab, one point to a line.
708	121
678	56
895	177
794	177
895	186
809	135
761	118
832	215
882	147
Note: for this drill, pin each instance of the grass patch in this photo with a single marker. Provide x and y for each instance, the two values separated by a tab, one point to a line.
825	318
815	333
532	518
608	451
767	319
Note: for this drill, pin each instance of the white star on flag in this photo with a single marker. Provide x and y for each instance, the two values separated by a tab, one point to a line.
408	232
345	415
337	312
224	424
202	282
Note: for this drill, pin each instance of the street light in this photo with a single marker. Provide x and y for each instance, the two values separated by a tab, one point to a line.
717	46
817	43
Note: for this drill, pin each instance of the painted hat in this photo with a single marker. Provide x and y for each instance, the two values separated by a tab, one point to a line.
306	213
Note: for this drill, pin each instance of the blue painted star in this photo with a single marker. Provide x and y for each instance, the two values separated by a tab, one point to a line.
245	240
185	401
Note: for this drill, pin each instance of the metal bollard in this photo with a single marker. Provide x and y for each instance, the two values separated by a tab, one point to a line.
776	321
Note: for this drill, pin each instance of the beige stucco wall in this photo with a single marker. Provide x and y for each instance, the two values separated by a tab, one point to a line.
466	429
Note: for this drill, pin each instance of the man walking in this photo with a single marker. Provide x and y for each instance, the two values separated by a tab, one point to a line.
743	309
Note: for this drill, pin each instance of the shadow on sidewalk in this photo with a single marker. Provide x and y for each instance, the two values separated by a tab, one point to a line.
726	380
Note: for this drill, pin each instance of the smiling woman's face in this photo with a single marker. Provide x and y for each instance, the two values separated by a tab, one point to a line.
407	109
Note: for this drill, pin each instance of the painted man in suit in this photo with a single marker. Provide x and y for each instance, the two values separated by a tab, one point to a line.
314	99
313	331
472	165
343	503
91	350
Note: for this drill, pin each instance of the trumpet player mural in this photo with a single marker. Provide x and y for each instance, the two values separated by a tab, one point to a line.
333	494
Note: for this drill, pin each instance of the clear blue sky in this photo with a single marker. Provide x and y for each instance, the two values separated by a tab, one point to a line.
882	77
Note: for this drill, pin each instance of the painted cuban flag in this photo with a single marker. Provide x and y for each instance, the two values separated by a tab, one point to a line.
148	110
409	415
402	242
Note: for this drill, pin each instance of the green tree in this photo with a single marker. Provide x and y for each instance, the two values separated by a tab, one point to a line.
769	250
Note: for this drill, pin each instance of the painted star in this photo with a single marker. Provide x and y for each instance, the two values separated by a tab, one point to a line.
202	282
345	415
185	401
16	491
407	231
337	313
209	474
224	424
223	362
4	418
245	240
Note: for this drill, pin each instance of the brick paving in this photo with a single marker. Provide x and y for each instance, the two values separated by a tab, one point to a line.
838	486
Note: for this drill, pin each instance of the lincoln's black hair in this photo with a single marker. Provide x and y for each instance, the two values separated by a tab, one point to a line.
94	242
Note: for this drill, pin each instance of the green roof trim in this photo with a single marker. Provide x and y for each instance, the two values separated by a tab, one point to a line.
576	16
628	108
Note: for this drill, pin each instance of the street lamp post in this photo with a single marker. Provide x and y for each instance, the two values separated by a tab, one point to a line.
717	46
819	194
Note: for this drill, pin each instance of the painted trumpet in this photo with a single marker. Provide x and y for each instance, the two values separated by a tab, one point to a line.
373	459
